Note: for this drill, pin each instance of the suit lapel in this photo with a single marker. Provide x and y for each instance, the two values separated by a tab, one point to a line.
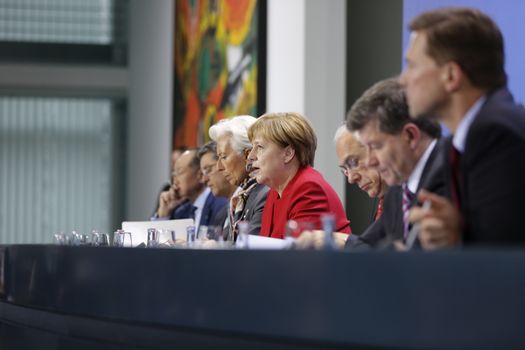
206	210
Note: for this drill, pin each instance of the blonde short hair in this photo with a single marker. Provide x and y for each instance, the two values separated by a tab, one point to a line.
287	129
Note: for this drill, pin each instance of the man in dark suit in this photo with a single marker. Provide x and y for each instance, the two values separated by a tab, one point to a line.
200	203
455	72
215	180
405	151
175	154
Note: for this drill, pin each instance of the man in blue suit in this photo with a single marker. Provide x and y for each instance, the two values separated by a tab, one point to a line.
188	197
455	72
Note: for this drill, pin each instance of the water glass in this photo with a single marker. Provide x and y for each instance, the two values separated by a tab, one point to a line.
202	235
60	238
153	238
243	237
119	239
99	239
167	237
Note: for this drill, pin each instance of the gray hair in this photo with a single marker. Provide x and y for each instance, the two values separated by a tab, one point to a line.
210	147
340	132
237	129
386	102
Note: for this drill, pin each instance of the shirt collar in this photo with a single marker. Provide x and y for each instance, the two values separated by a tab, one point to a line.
460	136
199	204
201	199
415	176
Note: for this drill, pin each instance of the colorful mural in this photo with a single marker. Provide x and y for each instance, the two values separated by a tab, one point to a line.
216	65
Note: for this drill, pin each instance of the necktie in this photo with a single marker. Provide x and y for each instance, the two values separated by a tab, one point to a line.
193	212
406	203
454	159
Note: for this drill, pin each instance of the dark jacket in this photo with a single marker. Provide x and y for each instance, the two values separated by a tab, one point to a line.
492	173
212	207
389	226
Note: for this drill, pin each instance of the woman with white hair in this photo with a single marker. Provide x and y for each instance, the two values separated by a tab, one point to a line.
233	147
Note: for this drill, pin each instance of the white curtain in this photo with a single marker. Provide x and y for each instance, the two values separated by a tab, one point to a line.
56	172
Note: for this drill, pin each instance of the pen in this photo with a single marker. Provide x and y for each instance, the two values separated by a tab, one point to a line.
414	231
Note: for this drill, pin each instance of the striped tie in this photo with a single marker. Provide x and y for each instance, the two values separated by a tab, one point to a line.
406	203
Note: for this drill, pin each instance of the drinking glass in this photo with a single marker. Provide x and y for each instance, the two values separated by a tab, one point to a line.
99	239
202	235
298	234
243	237
167	237
73	238
60	238
190	236
153	238
120	239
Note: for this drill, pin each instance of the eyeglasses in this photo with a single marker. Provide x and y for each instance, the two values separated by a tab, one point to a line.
179	172
208	170
350	164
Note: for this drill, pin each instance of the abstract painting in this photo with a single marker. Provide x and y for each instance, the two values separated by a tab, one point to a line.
219	68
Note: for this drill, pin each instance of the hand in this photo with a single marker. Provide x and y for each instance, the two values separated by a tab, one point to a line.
168	200
316	239
440	225
399	246
179	242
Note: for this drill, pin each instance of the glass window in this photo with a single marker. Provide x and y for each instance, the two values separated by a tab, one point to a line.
92	31
61	165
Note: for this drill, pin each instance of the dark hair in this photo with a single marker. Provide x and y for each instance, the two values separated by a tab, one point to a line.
210	147
386	102
469	38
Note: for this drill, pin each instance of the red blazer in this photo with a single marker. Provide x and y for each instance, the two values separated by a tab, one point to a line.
305	198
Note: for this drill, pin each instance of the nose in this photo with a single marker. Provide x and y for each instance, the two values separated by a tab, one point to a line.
372	161
251	155
220	167
353	177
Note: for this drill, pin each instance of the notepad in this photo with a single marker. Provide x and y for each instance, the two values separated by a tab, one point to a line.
139	229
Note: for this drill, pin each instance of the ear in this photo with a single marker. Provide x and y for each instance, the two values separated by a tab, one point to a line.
246	153
452	76
289	154
412	134
200	177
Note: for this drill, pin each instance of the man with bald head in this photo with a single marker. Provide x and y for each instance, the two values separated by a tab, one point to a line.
352	159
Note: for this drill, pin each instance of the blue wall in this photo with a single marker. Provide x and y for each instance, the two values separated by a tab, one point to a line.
510	17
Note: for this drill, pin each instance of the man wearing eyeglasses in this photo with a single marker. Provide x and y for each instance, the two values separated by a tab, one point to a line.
404	151
352	158
199	202
215	180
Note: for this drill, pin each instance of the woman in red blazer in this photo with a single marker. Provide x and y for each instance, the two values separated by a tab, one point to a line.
283	154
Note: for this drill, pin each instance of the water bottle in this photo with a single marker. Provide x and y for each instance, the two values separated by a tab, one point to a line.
242	238
153	238
190	236
328	222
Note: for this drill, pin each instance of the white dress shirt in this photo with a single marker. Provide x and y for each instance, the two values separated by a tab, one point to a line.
199	204
415	176
460	136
